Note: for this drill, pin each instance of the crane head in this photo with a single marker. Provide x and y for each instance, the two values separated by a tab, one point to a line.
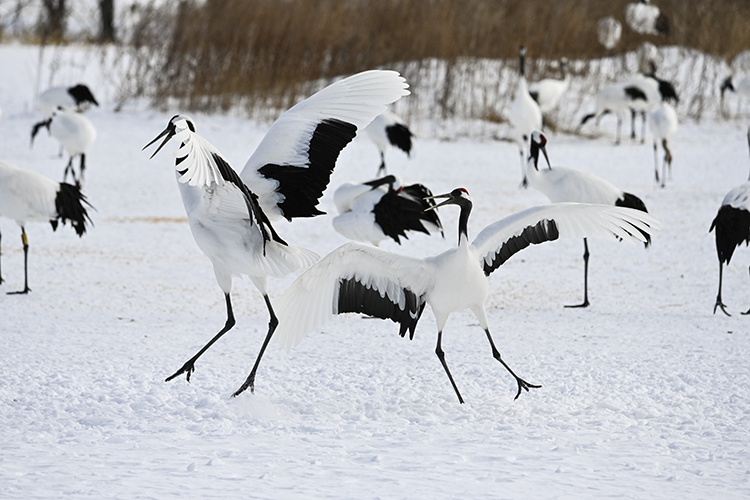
538	142
458	196
178	123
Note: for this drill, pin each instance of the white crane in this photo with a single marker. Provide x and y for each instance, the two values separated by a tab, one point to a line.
524	114
388	129
547	92
382	208
570	185
27	196
740	85
639	94
608	32
732	224
363	279
663	124
230	215
646	19
77	98
76	134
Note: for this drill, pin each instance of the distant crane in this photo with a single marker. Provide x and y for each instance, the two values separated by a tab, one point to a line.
382	208
548	92
230	215
663	124
740	85
76	134
732	224
77	98
388	129
524	115
570	185
363	279
27	196
646	19
608	32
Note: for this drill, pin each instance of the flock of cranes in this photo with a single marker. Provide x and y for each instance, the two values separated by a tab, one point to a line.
232	215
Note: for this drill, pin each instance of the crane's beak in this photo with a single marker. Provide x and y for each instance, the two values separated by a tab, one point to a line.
544	151
169	132
446	202
388	179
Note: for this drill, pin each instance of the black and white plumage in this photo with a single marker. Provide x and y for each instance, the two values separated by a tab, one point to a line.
738	84
524	114
31	197
732	224
548	92
363	279
76	134
646	19
77	99
382	208
639	94
663	123
388	129
230	215
608	32
570	185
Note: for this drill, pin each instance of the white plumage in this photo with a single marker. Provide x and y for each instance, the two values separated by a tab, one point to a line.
76	134
548	92
230	214
77	98
388	129
363	279
663	124
609	31
383	208
739	84
524	114
732	224
561	184
27	196
646	19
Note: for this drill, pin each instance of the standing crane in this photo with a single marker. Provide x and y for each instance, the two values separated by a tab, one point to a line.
363	279
388	129
76	134
570	185
524	115
230	215
31	197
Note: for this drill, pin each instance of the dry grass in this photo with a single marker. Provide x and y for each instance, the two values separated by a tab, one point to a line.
212	54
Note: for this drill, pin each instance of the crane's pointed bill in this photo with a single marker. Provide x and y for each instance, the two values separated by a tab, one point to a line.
544	151
169	132
438	196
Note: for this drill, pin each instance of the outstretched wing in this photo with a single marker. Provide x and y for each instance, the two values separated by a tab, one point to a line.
354	278
501	240
293	163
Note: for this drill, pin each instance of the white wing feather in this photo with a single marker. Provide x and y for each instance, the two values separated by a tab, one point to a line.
312	299
573	220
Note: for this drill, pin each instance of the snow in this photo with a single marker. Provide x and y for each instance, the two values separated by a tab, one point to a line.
645	393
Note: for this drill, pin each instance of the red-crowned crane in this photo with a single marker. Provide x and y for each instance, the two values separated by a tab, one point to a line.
524	114
388	129
77	99
570	185
663	124
548	92
230	215
27	196
646	19
363	279
732	225
382	208
76	134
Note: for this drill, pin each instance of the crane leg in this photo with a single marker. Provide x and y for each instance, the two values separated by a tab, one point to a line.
79	182
619	127
525	181
69	168
25	241
656	163
748	311
189	366
632	124
585	302
272	324
441	357
522	384
643	127
381	168
719	303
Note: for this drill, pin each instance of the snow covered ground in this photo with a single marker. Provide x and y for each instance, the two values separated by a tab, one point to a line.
646	394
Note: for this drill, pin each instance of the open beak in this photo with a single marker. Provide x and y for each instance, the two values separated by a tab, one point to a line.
433	207
169	132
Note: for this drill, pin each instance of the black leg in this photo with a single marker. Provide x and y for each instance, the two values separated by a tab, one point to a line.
79	183
25	241
189	366
585	302
632	125
656	163
748	311
69	168
382	163
522	384
441	357
719	303
643	127
525	181
273	322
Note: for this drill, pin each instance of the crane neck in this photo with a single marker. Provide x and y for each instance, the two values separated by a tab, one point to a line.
463	221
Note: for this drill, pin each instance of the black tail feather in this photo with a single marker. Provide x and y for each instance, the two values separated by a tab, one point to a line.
632	201
71	205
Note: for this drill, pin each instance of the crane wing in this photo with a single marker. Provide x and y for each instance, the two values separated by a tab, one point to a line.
292	165
501	240
354	278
